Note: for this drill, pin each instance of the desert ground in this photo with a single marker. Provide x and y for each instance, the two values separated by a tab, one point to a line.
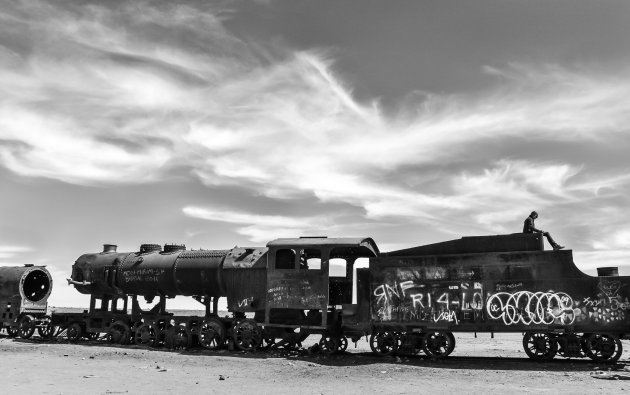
478	365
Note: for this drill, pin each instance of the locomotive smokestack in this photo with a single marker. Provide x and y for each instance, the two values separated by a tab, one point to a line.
607	272
109	247
145	248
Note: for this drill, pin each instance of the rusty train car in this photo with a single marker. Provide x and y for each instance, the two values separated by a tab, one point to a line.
405	301
507	283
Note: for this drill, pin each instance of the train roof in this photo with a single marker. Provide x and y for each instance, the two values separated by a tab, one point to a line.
477	244
365	243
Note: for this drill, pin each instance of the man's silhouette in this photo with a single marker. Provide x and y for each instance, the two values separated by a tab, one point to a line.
530	227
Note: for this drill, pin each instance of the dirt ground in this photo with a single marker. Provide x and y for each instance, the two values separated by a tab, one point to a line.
481	365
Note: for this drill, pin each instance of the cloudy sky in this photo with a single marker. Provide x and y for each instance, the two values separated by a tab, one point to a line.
235	122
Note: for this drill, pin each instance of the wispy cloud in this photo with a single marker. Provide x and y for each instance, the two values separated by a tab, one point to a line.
258	227
114	93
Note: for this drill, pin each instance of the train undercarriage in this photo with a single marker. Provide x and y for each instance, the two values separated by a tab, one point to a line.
540	346
243	333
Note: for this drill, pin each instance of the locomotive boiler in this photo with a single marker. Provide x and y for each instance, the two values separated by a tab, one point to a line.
153	271
24	293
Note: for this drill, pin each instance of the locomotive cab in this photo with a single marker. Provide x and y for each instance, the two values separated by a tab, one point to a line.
314	274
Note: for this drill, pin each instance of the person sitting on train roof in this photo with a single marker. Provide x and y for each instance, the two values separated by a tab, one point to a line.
529	227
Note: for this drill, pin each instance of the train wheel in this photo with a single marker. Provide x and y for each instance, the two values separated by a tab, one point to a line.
212	334
343	344
384	343
46	330
438	344
602	347
247	335
119	333
74	332
26	327
178	338
328	344
145	334
12	331
540	346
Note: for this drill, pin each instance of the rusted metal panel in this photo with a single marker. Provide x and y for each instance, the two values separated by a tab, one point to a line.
246	289
478	244
520	291
93	273
365	246
305	289
176	273
245	257
200	273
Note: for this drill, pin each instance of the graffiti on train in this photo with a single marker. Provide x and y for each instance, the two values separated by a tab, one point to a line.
524	307
559	308
607	307
412	301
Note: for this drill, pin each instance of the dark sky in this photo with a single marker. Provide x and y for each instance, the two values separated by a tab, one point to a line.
389	50
228	123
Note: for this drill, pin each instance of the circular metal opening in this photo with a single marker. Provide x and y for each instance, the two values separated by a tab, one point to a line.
36	285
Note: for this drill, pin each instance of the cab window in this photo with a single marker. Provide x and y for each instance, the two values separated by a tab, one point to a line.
285	259
310	259
337	267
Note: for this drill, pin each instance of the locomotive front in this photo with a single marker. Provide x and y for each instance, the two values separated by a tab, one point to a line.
24	293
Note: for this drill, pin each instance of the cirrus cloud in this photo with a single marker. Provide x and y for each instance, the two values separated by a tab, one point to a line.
125	93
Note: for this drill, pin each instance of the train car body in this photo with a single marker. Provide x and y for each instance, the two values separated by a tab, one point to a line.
505	283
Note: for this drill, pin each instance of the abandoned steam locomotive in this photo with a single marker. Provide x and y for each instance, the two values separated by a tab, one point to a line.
24	293
407	301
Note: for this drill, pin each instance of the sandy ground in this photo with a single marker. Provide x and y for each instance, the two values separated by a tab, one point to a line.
481	365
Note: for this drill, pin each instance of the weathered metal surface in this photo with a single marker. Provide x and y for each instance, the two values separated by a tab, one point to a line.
199	273
477	244
23	289
246	288
298	273
245	257
302	290
96	273
151	273
496	291
365	246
